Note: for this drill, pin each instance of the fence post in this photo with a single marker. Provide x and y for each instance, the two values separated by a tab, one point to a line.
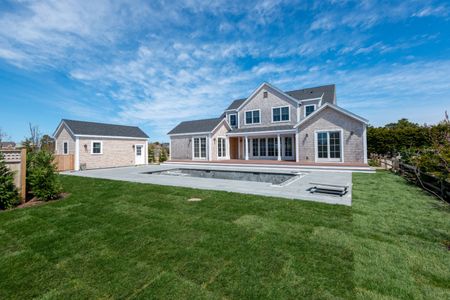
23	175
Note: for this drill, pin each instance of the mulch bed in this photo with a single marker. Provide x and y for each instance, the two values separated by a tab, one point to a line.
35	202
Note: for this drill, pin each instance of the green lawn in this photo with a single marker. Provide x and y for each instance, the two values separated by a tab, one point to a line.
126	240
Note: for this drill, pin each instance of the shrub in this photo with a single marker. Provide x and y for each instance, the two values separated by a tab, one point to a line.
162	155
151	153
42	176
8	192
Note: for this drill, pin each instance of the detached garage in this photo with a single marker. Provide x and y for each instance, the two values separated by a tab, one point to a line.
99	145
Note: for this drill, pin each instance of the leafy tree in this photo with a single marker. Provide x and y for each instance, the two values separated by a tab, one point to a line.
47	143
42	176
436	159
8	192
397	137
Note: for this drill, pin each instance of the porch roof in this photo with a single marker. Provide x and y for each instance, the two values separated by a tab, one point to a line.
260	130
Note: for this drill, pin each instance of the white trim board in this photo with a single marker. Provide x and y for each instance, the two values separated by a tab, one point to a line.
262	132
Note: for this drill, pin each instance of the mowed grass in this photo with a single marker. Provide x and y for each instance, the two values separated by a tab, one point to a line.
114	239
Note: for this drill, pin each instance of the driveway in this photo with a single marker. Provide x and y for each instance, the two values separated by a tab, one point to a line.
295	189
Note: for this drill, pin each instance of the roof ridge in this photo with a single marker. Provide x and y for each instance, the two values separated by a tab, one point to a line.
99	123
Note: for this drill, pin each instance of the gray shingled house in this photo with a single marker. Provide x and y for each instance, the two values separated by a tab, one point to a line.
306	126
99	145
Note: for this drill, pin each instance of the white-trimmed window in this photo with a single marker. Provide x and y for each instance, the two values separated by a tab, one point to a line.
272	148
252	117
232	120
199	147
66	148
329	145
309	109
221	147
281	114
96	147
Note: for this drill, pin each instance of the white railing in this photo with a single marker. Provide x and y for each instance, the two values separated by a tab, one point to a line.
12	156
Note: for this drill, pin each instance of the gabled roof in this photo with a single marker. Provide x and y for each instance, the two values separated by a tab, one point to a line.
197	126
337	108
236	103
268	86
82	128
328	92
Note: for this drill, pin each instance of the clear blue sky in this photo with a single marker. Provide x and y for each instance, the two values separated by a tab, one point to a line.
154	64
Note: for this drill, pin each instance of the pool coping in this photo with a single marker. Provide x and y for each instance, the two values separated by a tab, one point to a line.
295	191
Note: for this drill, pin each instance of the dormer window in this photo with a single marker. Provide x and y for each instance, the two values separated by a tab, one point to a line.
265	94
309	109
232	119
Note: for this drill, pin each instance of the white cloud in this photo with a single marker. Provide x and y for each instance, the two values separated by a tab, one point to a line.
134	54
440	11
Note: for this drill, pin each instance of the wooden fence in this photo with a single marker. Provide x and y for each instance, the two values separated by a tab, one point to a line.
65	162
16	160
429	182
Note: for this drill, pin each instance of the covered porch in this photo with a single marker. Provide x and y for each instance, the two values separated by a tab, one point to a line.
262	146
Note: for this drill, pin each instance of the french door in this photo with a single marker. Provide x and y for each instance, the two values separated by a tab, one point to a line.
199	147
329	146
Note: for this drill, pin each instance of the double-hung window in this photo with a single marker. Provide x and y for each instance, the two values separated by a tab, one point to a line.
252	117
221	147
200	148
309	109
96	148
232	118
280	114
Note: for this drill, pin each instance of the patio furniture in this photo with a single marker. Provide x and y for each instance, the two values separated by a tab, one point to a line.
327	188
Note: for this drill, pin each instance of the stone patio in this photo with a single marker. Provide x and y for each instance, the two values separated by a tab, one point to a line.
295	189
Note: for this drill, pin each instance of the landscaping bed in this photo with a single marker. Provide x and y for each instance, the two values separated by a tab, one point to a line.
112	239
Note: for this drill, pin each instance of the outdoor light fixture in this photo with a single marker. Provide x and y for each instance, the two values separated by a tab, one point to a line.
85	147
306	135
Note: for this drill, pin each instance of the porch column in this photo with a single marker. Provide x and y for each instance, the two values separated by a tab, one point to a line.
246	148
297	147
279	147
239	147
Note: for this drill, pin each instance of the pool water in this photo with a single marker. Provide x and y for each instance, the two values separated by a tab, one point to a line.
273	178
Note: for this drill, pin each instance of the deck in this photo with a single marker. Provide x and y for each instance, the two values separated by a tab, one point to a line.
271	162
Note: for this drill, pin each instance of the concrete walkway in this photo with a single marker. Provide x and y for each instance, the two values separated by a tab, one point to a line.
296	189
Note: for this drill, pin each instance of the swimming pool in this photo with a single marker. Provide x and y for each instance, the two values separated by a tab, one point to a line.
273	178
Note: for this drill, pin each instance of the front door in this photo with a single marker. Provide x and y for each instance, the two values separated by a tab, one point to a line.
139	154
